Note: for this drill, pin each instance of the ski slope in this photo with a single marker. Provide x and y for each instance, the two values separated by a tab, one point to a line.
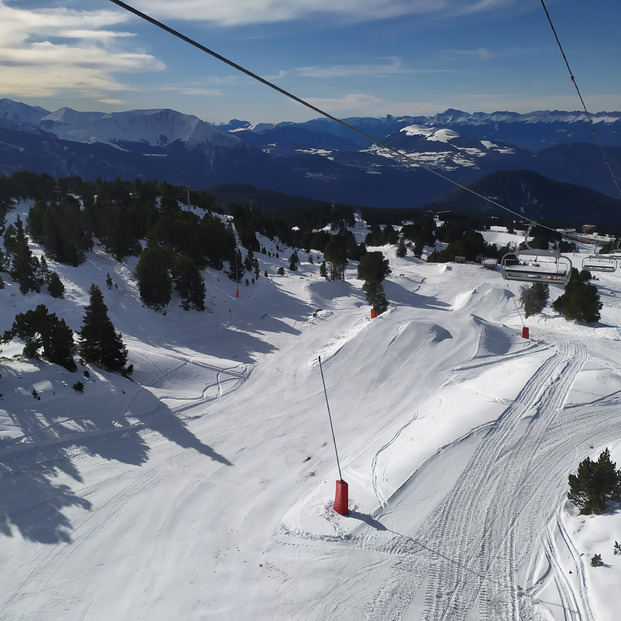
202	488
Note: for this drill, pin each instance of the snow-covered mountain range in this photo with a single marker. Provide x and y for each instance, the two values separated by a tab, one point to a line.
319	159
153	128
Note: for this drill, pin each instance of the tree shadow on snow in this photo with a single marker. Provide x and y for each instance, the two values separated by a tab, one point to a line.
157	416
233	341
31	501
397	294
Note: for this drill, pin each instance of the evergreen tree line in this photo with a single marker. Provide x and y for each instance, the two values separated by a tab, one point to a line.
30	272
469	244
98	343
173	244
579	302
146	220
124	217
464	239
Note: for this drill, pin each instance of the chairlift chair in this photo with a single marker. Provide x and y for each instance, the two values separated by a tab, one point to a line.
599	263
603	262
540	265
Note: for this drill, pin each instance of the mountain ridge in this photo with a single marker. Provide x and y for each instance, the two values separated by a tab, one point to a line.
319	159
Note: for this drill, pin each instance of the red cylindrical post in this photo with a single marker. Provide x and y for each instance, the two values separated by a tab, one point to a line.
373	313
341	500
525	334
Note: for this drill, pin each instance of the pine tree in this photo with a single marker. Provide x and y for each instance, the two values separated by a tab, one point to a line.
389	235
373	266
99	341
594	483
374	293
154	280
218	241
55	285
580	302
59	346
335	255
64	236
249	260
236	265
41	329
534	298
25	266
117	234
189	283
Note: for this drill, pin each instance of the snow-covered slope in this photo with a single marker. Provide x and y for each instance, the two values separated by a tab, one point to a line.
202	488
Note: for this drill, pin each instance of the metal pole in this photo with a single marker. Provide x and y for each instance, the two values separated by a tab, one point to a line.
236	276
518	312
325	392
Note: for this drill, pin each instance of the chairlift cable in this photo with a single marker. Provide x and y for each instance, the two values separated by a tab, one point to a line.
305	103
589	117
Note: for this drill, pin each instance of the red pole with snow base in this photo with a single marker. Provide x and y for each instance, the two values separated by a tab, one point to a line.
525	333
341	499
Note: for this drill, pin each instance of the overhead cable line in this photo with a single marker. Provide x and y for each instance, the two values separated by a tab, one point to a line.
305	103
573	80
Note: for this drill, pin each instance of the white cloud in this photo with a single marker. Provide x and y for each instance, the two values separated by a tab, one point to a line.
192	90
244	12
480	53
44	51
111	102
362	104
394	66
352	104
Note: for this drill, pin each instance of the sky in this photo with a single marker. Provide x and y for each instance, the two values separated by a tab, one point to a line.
346	57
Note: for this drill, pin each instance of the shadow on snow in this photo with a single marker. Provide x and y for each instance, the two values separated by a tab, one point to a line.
31	501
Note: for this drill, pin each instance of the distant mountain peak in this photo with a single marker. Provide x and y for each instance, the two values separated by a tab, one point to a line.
154	127
15	112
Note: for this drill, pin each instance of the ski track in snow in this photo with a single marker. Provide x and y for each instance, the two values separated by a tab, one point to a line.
489	544
469	555
472	554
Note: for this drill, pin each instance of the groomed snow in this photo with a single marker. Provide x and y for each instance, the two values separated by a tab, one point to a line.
202	488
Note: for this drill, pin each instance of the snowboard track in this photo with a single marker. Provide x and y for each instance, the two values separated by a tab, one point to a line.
478	539
479	553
